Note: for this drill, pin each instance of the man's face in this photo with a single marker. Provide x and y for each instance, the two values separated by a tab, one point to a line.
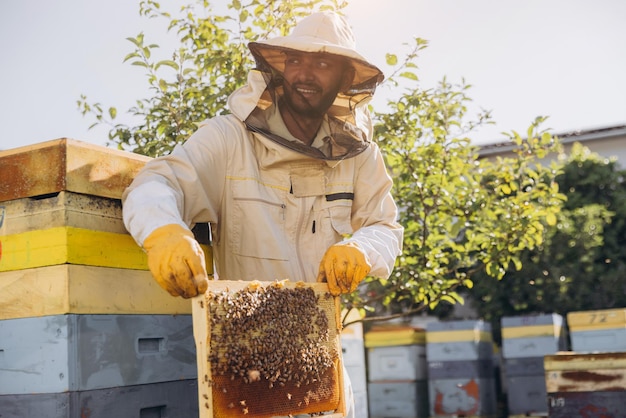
312	81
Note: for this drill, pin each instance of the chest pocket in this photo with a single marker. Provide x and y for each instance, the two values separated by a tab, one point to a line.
258	222
333	223
339	215
332	209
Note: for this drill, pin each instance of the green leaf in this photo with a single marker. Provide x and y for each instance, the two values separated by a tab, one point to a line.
131	55
167	63
409	75
468	283
391	59
112	112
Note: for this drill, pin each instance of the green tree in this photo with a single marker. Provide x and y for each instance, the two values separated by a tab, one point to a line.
581	264
461	214
210	63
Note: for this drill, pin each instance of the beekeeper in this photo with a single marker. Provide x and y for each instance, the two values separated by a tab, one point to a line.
290	182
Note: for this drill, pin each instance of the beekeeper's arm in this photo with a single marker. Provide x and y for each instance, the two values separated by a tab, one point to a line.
168	196
377	238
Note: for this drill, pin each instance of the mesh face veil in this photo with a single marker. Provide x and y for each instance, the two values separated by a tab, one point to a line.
347	128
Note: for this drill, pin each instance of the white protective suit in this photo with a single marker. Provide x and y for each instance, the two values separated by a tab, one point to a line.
274	206
273	211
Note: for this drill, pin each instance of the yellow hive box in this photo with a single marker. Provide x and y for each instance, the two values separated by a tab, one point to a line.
66	164
531	331
457	336
386	336
69	245
67	227
596	320
70	289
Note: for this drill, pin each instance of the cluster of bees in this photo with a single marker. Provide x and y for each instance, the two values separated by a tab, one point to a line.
271	334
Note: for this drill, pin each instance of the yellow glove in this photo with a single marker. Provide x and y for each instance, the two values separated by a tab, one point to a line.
343	266
176	261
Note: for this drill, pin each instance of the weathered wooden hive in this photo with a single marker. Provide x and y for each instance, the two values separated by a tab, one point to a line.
586	384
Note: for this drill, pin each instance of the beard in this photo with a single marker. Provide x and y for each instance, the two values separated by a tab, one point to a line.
314	107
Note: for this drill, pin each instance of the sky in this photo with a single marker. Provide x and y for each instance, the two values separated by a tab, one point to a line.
565	59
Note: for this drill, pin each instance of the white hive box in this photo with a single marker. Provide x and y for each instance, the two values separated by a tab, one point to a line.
533	335
458	340
61	353
397	363
398	400
353	350
526	383
168	399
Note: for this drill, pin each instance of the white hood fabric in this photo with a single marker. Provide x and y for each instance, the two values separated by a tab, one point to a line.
348	123
274	210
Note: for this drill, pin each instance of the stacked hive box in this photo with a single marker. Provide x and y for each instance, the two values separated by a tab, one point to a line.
586	384
602	330
461	375
590	381
84	329
525	342
353	348
397	372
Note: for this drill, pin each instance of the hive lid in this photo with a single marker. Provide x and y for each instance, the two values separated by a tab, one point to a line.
66	164
569	360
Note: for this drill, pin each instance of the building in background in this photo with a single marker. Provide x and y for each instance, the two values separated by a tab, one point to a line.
608	142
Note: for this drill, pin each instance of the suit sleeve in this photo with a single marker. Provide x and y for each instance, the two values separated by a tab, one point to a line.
374	215
182	188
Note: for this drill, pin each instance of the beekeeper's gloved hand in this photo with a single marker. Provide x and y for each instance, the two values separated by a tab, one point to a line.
176	261
343	266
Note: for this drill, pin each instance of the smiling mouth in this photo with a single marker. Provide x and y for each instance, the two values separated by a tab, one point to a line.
307	91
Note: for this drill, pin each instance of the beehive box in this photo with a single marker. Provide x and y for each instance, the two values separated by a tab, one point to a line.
580	372
458	340
72	228
62	209
600	330
394	335
533	335
462	397
63	353
353	355
75	289
168	399
586	384
526	386
66	165
465	387
68	245
268	349
68	252
601	404
461	369
402	362
398	399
